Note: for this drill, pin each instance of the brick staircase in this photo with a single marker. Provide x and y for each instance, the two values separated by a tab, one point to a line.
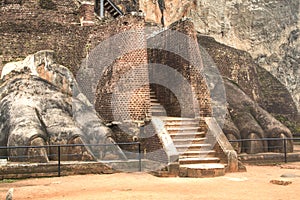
107	5
156	108
112	9
196	157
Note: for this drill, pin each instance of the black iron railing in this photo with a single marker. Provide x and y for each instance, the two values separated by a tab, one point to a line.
62	155
283	146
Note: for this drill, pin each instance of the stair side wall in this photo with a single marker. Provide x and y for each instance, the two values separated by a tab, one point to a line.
223	148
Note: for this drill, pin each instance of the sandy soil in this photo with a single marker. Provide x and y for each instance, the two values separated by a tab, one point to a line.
253	184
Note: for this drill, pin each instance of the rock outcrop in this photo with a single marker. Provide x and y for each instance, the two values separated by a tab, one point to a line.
41	105
247	117
268	30
253	123
259	84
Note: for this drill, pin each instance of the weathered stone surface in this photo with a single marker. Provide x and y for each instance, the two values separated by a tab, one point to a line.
249	89
254	122
41	105
268	30
258	84
30	27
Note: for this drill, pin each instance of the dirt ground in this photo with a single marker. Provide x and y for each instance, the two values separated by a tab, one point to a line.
253	184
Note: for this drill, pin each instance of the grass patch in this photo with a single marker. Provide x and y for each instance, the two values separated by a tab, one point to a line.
292	125
8	180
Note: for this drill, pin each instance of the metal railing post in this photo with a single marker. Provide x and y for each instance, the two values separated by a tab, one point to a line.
285	150
58	154
101	8
140	158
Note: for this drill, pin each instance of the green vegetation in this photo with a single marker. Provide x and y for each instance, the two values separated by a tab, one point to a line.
292	125
8	181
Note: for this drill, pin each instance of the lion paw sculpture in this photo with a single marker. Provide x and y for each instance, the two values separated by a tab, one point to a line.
41	105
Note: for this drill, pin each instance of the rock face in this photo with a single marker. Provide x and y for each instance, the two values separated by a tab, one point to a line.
259	84
41	105
253	123
268	30
45	112
246	94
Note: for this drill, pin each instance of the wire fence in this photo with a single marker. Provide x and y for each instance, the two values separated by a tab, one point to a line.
71	152
266	150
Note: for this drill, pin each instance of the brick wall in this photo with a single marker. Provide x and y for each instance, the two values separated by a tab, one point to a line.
86	14
123	92
28	28
199	104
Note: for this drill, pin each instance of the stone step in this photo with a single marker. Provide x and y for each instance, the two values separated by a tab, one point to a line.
198	160
184	135
171	132
178	141
184	147
184	128
158	111
198	153
179	119
205	166
202	170
187	122
154	101
155	104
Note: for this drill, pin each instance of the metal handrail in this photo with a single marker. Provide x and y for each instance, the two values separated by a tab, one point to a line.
263	139
68	145
75	145
284	140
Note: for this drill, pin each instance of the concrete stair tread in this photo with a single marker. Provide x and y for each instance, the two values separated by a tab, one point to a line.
188	139
179	119
187	123
196	152
194	133
191	145
155	104
197	156
199	159
204	166
183	128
